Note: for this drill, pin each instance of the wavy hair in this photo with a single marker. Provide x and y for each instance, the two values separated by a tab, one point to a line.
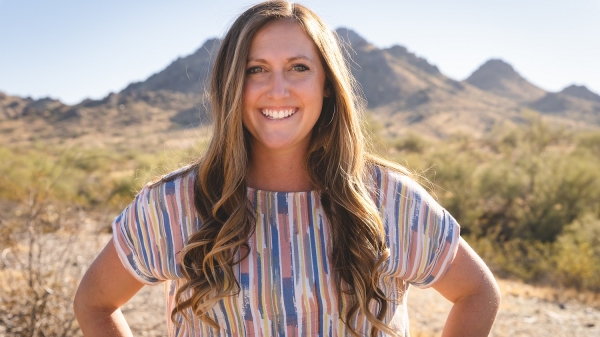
337	162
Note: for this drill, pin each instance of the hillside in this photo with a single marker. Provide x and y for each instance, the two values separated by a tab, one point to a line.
404	93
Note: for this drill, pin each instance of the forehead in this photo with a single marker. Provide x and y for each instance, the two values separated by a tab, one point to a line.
282	37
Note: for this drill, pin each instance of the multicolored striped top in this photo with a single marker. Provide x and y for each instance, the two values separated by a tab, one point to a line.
287	285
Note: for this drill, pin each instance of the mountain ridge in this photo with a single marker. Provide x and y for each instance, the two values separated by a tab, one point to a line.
581	91
403	91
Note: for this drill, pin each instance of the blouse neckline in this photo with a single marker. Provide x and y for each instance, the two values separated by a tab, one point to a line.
251	190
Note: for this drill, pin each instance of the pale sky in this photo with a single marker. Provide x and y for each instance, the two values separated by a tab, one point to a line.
73	49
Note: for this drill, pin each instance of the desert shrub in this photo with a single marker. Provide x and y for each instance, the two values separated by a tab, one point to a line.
589	143
530	261
572	261
519	194
98	178
411	142
578	254
38	270
46	195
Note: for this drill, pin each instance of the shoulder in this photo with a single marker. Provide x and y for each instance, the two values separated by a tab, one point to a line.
184	175
393	185
152	230
422	236
163	201
174	187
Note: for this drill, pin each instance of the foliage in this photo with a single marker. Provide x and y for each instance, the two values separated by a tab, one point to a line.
578	254
524	197
46	196
37	265
98	178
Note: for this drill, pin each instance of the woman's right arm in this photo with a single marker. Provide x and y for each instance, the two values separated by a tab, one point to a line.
105	287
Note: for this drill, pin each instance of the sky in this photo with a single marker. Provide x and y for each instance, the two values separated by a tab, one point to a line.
72	49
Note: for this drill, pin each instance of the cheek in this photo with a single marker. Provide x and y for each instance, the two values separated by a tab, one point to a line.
316	96
309	91
250	94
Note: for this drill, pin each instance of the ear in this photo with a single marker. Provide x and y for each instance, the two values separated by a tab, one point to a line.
328	90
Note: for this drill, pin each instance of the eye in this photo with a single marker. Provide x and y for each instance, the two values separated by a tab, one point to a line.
254	70
300	67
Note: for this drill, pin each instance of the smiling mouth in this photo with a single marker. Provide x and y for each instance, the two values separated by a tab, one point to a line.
278	114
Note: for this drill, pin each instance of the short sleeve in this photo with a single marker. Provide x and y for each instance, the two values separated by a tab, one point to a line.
149	234
422	236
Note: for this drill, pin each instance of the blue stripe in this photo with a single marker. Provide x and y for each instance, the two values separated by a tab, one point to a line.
275	263
140	235
245	291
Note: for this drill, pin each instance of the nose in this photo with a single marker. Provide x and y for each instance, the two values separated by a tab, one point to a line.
278	86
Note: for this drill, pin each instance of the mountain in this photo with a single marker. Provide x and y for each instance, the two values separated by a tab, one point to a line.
573	105
14	107
404	93
386	75
581	92
501	78
577	103
186	75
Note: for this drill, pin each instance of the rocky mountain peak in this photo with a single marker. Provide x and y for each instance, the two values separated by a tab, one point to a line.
400	52
499	77
581	91
488	74
186	74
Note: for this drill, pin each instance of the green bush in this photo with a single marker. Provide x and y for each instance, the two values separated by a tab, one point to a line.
521	196
578	254
97	178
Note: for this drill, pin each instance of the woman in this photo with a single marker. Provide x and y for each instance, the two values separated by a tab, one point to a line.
332	252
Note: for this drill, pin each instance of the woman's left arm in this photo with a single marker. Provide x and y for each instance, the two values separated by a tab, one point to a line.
470	285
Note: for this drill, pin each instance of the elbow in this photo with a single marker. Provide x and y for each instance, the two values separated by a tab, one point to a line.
83	303
486	297
495	294
78	303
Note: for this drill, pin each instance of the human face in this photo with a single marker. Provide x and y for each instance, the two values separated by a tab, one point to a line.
284	88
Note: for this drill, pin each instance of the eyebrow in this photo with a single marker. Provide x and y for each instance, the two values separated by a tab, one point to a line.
289	59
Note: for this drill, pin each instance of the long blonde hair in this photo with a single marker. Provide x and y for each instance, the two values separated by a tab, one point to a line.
336	161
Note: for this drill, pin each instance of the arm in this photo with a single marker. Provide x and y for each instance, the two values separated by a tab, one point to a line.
105	287
470	285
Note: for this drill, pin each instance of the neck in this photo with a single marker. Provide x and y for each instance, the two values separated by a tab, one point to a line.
283	171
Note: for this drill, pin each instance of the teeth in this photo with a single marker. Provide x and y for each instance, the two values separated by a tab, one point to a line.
275	114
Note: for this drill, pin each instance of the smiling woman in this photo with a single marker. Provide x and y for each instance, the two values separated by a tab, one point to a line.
286	225
283	99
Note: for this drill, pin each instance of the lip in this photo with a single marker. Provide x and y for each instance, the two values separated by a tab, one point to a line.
278	113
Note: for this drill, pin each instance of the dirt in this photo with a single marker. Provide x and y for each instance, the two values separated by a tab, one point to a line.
519	315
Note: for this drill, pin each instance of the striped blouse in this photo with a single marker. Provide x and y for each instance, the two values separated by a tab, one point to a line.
287	287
